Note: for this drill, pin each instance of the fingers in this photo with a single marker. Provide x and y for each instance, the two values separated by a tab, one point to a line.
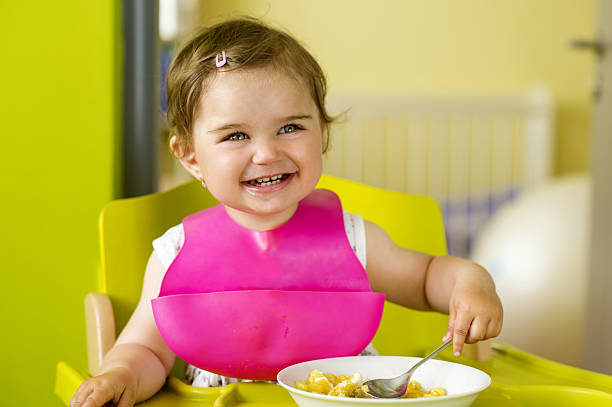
494	328
460	329
468	326
127	399
477	330
97	392
484	326
91	395
451	324
81	395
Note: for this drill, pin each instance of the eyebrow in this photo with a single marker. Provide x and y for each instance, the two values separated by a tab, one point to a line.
233	126
296	117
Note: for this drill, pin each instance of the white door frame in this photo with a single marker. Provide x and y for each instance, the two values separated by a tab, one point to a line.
598	336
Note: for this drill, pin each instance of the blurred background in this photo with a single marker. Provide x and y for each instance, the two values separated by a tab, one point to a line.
494	108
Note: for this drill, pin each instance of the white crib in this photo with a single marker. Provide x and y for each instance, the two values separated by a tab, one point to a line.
470	152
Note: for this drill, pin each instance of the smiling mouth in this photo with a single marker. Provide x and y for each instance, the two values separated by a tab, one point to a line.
267	181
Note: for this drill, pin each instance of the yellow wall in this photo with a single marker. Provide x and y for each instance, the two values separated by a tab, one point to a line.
447	46
59	124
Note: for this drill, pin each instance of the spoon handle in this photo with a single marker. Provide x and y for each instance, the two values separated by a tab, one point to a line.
431	355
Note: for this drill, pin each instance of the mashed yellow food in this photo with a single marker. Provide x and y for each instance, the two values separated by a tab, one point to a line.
350	386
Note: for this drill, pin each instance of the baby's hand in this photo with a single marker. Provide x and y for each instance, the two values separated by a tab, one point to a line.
475	313
116	385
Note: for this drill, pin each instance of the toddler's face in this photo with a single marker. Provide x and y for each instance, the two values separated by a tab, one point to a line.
257	143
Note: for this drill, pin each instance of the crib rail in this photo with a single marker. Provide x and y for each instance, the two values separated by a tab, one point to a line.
471	153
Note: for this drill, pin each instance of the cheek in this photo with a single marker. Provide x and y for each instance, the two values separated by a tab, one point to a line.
317	149
313	157
219	166
313	145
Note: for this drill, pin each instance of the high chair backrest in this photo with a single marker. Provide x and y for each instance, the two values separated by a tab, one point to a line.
128	226
412	221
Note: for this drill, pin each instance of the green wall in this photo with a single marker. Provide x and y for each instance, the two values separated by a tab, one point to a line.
60	121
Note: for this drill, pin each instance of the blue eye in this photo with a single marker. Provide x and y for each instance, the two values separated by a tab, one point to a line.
237	137
289	128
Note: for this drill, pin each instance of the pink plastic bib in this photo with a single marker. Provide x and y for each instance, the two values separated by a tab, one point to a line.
246	304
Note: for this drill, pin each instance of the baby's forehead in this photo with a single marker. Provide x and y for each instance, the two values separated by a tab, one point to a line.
262	92
266	76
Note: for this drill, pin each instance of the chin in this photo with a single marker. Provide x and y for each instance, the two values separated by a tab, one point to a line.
270	210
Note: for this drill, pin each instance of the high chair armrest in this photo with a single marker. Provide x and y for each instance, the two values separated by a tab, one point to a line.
100	325
67	381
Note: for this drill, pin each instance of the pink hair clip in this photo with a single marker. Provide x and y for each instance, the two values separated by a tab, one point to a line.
221	62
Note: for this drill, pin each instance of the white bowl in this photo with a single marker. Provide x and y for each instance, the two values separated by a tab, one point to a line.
462	383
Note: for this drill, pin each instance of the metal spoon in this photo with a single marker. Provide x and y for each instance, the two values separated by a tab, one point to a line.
397	386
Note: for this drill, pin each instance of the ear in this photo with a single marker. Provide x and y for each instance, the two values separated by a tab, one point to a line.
324	136
187	157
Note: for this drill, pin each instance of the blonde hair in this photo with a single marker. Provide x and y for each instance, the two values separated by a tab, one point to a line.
248	43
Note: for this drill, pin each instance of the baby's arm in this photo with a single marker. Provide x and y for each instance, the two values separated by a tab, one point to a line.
445	284
137	365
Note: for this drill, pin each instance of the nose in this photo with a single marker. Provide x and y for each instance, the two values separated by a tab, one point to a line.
267	150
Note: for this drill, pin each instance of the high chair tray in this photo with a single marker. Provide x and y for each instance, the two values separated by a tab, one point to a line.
178	394
520	379
510	367
265	394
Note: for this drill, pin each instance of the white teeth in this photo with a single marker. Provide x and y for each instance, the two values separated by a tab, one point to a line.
267	179
265	184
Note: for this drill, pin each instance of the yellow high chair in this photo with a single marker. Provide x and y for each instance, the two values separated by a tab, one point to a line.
128	226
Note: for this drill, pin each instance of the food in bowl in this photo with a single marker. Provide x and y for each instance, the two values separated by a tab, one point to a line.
332	385
351	386
462	383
